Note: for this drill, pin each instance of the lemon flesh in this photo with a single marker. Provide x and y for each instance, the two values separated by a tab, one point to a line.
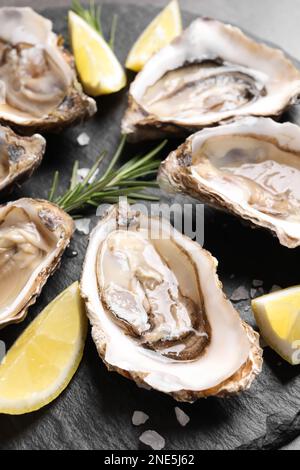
160	32
41	363
278	318
99	70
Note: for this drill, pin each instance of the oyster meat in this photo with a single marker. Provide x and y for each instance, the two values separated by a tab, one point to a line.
250	167
158	313
33	237
38	85
211	73
19	157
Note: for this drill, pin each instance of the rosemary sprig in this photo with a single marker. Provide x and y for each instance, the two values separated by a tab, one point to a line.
92	16
113	30
127	180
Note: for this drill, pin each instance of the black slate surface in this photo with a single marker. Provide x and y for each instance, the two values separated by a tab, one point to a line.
96	409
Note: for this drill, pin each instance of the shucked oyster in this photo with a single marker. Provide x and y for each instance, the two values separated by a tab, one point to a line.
33	237
211	73
19	156
250	168
158	312
38	85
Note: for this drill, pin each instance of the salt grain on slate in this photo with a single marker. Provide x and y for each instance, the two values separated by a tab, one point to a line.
144	386
182	418
83	139
139	417
256	292
275	288
70	253
253	293
83	172
153	440
83	226
239	294
257	283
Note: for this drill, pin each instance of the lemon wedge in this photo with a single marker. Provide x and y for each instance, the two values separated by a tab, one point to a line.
160	32
278	318
99	70
41	363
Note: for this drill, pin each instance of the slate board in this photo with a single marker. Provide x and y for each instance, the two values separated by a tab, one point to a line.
96	409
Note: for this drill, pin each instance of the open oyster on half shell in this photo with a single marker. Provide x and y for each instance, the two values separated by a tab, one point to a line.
158	312
209	74
33	236
250	167
19	157
38	85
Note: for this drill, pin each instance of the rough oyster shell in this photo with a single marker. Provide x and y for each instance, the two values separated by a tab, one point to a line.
19	157
158	313
38	85
250	167
33	236
209	74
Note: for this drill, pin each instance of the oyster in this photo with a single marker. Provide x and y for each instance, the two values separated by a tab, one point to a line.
33	237
250	167
38	85
158	312
211	73
19	157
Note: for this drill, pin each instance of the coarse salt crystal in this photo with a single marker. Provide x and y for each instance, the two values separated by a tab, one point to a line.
182	418
83	172
253	293
83	139
144	386
275	288
83	225
240	293
139	417
153	440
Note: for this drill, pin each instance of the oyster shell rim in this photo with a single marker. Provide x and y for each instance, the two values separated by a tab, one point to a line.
229	387
84	108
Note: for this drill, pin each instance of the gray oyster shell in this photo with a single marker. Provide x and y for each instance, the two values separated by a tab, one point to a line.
250	168
33	236
212	73
132	279
39	90
19	157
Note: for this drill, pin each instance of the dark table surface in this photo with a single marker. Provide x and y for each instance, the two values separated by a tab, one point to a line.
272	20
